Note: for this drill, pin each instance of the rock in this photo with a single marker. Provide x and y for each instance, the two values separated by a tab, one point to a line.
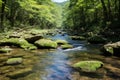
18	42
66	46
88	66
19	73
61	42
15	35
14	61
111	49
77	37
5	50
33	38
3	60
3	78
46	43
6	69
96	40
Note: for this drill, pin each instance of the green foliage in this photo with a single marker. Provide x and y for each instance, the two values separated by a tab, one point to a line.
91	15
42	13
0	3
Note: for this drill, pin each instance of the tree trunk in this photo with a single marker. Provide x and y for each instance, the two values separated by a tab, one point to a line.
109	11
119	10
2	14
105	14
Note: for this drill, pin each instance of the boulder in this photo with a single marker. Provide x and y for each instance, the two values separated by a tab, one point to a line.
17	42
96	40
88	66
46	43
111	49
14	61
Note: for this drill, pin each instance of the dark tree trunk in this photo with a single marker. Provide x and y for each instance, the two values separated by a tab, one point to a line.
109	11
119	9
2	14
105	14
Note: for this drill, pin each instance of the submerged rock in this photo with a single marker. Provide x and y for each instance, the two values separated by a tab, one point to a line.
19	73
61	42
5	50
88	66
111	49
66	46
18	42
14	61
46	43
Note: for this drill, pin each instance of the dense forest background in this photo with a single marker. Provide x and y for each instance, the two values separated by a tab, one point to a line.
17	13
91	17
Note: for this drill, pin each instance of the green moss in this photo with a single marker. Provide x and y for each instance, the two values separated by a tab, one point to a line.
88	66
110	50
66	46
45	43
61	42
18	42
14	61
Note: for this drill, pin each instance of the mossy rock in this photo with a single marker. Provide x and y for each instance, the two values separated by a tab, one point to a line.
111	49
46	43
96	40
19	73
14	61
18	42
66	46
77	37
5	50
61	42
88	66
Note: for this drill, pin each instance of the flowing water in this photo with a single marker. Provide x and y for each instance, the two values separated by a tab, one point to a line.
56	64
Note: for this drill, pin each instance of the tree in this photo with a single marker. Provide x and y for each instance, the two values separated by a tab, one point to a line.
2	13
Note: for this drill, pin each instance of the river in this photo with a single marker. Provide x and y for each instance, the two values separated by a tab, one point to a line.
56	64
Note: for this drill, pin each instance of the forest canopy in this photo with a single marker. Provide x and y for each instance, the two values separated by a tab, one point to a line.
42	13
92	15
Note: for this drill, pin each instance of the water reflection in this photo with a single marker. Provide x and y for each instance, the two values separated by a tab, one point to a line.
58	68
